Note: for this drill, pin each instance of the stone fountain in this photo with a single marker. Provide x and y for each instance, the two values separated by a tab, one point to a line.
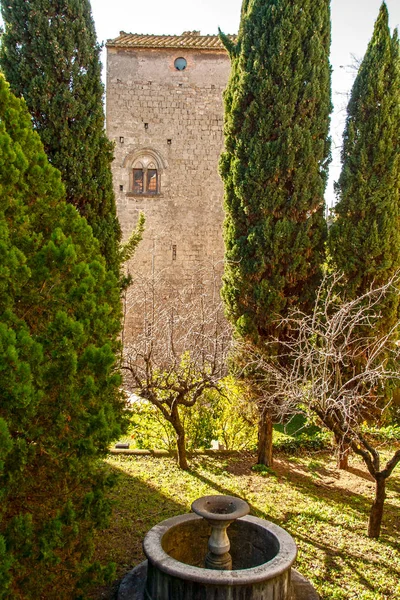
191	557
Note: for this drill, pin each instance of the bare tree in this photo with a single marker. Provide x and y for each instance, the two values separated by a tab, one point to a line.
180	352
339	366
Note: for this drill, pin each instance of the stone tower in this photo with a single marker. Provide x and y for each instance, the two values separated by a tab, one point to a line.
165	114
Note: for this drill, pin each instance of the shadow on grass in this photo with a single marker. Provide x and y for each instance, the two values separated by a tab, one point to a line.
394	484
140	505
137	507
300	478
296	426
335	559
360	473
303	480
220	489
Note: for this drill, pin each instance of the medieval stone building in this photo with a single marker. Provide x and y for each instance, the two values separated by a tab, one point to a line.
165	114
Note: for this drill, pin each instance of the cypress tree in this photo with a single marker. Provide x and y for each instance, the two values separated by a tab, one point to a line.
274	167
60	404
364	238
275	163
51	58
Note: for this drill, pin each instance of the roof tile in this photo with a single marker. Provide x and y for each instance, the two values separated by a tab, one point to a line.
189	39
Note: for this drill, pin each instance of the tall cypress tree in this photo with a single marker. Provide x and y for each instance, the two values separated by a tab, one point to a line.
364	239
50	56
275	164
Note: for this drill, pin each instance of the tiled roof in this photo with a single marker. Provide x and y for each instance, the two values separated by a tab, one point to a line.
188	39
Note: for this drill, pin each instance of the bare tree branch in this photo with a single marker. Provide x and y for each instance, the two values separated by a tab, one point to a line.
181	351
338	364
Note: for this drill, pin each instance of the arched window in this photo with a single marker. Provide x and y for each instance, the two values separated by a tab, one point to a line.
145	168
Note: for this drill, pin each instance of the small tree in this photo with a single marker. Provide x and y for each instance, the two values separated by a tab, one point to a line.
274	168
51	58
180	353
60	401
325	378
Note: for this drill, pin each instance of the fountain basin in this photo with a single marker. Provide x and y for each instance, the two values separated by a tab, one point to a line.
220	508
262	556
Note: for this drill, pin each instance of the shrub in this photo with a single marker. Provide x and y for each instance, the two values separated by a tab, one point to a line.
303	442
224	415
390	433
60	400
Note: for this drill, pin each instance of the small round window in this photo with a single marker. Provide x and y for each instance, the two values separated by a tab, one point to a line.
180	64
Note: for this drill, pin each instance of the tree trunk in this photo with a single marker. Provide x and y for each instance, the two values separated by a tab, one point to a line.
343	454
376	514
180	440
265	440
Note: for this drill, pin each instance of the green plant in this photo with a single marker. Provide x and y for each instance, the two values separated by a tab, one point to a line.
364	238
390	433
235	415
263	470
199	422
148	429
50	56
303	442
274	168
225	415
60	400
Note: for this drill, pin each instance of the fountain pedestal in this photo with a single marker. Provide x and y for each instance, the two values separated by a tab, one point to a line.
219	512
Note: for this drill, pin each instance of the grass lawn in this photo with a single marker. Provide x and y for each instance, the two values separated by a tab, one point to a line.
325	511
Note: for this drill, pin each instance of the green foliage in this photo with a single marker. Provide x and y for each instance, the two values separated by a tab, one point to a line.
263	470
229	418
199	422
224	415
292	445
364	238
51	58
128	249
148	428
296	425
227	415
235	415
390	433
60	401
275	164
299	435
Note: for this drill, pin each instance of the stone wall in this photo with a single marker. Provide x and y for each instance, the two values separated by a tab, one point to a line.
175	118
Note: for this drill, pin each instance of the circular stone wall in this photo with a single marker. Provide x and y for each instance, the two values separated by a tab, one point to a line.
262	556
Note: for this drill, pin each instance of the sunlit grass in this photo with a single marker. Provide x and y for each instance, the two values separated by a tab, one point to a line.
325	511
